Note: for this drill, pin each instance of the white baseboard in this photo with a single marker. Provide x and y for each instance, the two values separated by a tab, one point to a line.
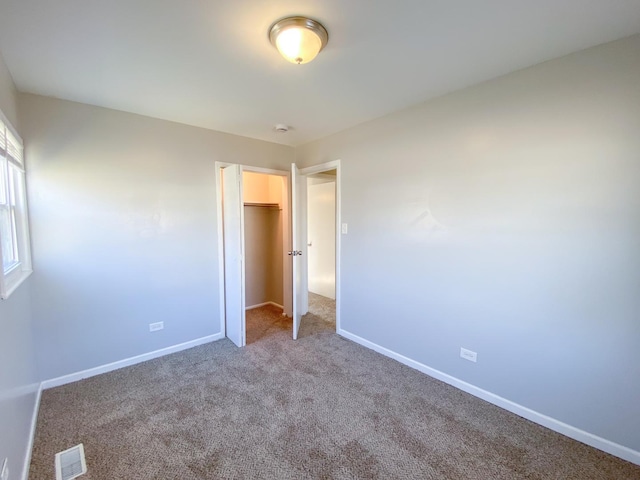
263	304
32	435
600	443
91	372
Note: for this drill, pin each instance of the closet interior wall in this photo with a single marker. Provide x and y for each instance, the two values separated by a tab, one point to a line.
263	239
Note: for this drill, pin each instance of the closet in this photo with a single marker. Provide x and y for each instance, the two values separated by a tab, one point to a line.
263	239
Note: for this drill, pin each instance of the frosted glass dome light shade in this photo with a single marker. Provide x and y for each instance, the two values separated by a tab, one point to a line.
298	39
298	45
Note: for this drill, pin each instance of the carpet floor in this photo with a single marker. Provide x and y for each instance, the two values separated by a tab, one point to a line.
323	307
319	407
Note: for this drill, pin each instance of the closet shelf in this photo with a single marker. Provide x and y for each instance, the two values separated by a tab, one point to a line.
264	205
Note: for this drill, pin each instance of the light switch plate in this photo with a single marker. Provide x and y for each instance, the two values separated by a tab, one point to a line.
344	228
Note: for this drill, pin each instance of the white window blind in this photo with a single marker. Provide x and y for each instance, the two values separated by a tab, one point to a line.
15	254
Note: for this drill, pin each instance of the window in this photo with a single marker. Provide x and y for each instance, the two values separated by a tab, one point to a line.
15	251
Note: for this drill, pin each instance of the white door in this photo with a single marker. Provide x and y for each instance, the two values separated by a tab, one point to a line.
233	219
297	242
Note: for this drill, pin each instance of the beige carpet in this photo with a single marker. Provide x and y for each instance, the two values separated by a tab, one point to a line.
319	407
323	307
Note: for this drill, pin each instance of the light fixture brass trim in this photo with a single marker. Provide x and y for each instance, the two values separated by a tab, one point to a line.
300	22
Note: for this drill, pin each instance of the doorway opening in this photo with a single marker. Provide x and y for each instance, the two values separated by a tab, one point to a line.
265	245
317	287
260	197
321	250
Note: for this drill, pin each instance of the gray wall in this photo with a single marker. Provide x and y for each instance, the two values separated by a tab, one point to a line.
123	214
505	218
18	379
263	255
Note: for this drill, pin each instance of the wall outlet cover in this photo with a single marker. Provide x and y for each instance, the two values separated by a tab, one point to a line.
154	327
468	355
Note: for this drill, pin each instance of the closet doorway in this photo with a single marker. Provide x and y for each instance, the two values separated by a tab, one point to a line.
264	239
254	238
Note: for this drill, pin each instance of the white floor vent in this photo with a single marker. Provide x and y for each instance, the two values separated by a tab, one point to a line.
70	463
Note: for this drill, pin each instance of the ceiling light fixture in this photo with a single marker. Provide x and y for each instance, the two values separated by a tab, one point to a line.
298	39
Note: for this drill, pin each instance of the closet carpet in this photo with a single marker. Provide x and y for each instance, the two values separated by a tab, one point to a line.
319	407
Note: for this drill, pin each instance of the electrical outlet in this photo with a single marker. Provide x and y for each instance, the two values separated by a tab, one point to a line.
4	473
154	327
468	355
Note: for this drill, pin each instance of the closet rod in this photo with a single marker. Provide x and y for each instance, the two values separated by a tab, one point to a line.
265	205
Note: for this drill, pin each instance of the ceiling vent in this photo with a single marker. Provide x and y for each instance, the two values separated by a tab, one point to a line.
281	128
70	463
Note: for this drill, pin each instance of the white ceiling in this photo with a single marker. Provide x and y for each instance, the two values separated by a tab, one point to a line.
210	63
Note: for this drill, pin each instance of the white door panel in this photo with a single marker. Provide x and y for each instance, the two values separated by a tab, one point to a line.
233	218
298	185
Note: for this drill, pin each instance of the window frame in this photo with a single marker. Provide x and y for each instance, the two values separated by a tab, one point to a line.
13	177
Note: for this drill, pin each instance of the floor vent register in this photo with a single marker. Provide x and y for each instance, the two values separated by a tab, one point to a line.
70	463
